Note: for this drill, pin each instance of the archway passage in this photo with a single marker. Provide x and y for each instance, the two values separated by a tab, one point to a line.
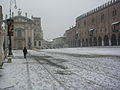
99	41
95	41
79	44
119	39
90	41
113	40
106	40
86	42
83	43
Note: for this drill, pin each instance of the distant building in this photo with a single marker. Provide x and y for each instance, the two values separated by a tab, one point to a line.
59	42
38	33
27	32
71	36
46	44
100	26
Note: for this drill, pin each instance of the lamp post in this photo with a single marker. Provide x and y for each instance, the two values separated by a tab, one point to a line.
10	23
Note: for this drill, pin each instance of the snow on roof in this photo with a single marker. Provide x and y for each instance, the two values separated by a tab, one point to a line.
92	29
115	22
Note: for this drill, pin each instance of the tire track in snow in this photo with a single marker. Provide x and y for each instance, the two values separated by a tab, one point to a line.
37	59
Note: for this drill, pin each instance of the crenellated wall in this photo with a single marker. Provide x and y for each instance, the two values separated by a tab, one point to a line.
99	8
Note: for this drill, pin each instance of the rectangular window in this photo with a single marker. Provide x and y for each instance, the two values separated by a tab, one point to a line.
39	43
102	17
34	43
116	27
85	23
19	33
114	13
93	20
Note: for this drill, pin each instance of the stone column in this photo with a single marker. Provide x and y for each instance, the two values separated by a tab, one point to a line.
32	37
109	42
102	43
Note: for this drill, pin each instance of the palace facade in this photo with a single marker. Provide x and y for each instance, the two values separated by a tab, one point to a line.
101	26
98	27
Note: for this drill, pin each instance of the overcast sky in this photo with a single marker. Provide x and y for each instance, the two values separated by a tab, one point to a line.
57	15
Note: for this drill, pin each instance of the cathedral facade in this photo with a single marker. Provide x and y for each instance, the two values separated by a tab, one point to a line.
27	32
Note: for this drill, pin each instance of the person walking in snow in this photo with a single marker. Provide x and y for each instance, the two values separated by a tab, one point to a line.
25	52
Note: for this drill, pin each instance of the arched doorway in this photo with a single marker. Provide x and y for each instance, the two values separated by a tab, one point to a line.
106	40
90	41
79	44
86	42
95	41
83	42
113	40
99	41
119	39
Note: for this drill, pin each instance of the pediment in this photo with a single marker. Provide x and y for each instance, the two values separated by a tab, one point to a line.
21	19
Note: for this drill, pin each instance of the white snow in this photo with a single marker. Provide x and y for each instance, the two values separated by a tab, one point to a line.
70	69
88	50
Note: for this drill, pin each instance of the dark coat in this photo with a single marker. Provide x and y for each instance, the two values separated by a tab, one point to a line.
25	51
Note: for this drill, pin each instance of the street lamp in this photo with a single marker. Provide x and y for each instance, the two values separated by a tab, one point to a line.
10	23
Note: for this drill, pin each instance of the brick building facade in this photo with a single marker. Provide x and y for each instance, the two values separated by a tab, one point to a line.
98	27
101	26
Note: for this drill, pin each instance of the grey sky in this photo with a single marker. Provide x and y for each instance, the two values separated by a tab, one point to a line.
57	15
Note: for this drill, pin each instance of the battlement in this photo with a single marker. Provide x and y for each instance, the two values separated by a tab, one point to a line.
99	8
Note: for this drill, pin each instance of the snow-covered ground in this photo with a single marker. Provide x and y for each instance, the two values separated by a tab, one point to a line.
88	50
63	69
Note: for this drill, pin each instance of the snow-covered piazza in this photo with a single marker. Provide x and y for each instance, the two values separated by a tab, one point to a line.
91	68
